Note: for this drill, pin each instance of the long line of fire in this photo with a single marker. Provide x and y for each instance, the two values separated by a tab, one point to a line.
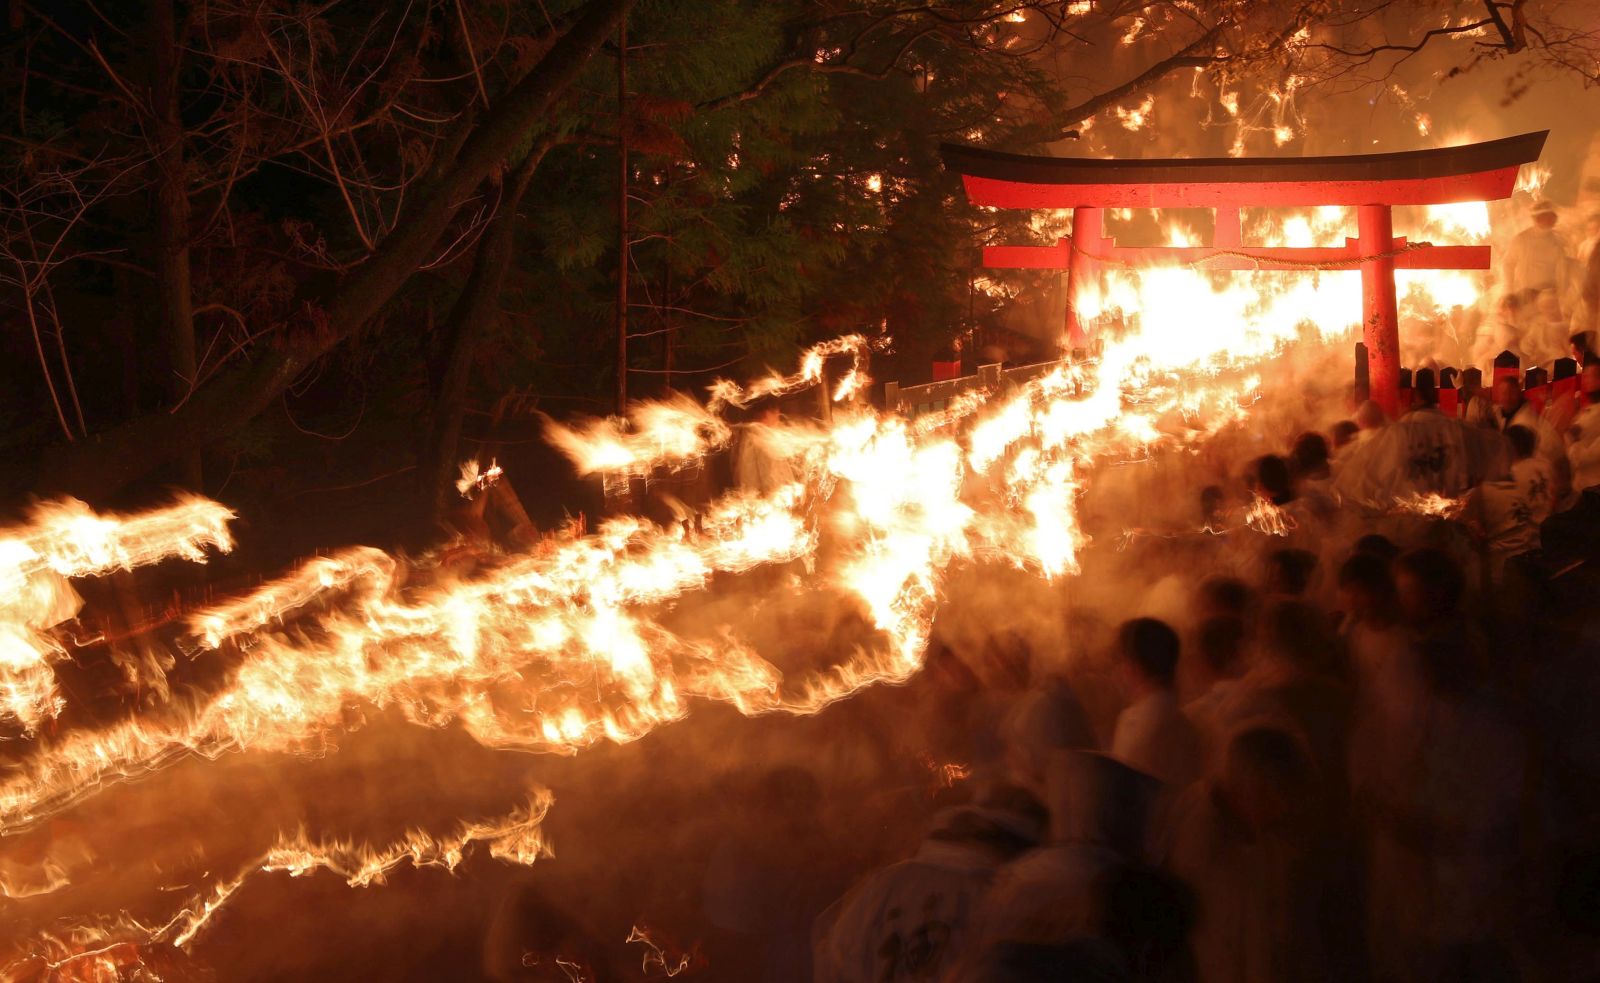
572	644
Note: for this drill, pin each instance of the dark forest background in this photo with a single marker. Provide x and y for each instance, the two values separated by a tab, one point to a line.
306	257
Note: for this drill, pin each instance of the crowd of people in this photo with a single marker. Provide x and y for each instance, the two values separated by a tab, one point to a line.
1549	289
1359	752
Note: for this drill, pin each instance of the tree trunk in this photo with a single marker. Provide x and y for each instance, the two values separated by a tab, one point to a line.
98	466
474	311
174	302
622	217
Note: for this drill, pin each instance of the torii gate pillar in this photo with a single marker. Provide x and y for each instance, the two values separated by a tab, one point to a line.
1087	230
1380	315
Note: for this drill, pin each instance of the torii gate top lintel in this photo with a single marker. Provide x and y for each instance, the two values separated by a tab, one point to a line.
1373	183
1475	172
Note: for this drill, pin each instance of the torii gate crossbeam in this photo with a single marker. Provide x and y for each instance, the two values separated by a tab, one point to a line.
1373	183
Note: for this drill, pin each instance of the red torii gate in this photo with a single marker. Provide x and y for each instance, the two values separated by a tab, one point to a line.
1373	183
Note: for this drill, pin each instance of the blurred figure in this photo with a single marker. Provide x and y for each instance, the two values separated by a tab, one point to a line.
1580	347
1288	573
1224	597
1442	794
1268	883
760	464
1343	434
1297	684
1220	647
1378	545
1270	479
1371	616
1422	453
1538	257
1545	336
915	919
1370	418
1020	715
1099	818
1309	462
1045	719
1505	330
1589	292
1152	734
534	939
1506	512
1515	410
1583	447
1138	932
766	898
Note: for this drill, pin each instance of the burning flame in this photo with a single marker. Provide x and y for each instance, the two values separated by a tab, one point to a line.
557	649
473	480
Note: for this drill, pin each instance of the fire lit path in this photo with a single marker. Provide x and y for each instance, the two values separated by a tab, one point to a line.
557	650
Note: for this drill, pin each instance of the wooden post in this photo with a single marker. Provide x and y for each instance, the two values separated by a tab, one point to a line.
1082	270
1507	366
1363	389
622	216
1449	396
1380	313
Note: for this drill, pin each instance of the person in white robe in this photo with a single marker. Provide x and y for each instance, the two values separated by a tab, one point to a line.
1152	734
1422	453
1539	257
1099	815
1506	512
914	920
1272	885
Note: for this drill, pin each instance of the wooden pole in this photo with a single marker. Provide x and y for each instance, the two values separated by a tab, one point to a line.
1381	316
622	215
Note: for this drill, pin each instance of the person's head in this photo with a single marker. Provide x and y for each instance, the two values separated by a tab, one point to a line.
1289	572
1270	479
1096	799
1044	722
1369	416
1310	455
1590	381
1378	545
1366	587
1229	596
1511	306
1266	778
1507	393
1149	654
1424	392
1544	214
1523	441
1297	634
1344	433
1581	347
1006	823
1429	584
1219	642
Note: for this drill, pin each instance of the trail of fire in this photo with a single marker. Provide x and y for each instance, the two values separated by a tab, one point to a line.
95	951
558	649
